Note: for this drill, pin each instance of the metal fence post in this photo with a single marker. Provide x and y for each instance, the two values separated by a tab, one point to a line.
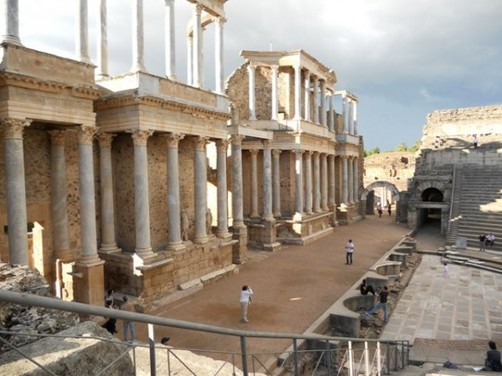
295	356
151	342
244	356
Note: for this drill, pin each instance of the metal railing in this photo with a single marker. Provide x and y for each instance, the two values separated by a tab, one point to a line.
336	354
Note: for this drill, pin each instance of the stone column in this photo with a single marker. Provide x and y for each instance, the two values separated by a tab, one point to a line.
323	102
316	100
355	183
267	181
82	40
138	50
317	184
221	172
219	73
354	116
170	40
197	46
200	199
16	191
252	101
331	183
345	181
331	122
254	184
174	240
307	96
350	185
190	60
298	91
59	194
275	97
308	182
298	182
102	68
345	105
10	16
324	182
276	182
141	195
237	205
108	236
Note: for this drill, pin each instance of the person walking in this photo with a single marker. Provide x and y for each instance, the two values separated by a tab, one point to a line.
383	296
245	300
389	208
349	250
129	327
445	270
482	240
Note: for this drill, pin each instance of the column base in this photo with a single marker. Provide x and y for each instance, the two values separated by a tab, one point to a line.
201	240
176	247
224	235
88	282
109	249
147	255
240	248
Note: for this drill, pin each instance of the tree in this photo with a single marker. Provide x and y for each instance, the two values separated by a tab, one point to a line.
416	146
375	150
401	147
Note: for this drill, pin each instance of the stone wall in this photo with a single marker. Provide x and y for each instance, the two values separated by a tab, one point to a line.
393	167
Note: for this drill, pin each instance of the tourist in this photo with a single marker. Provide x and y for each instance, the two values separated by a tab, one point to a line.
128	324
365	288
109	299
245	300
383	296
349	250
445	270
389	208
474	142
490	240
111	323
492	361
482	240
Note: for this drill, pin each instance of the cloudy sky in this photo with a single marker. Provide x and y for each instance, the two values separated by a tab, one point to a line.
403	59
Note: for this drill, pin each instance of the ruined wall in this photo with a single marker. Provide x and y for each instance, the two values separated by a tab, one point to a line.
393	167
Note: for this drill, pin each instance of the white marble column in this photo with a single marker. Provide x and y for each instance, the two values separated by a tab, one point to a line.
275	97
331	182
221	176
345	113
200	199
219	56
298	181
298	92
138	44
10	18
174	239
16	190
351	116
88	233
308	182
252	99
254	184
317	183
141	195
190	60
354	117
355	183
350	185
267	181
323	103
316	99
102	65
108	236
237	203
307	96
324	182
345	181
331	120
170	40
197	46
59	194
276	182
82	40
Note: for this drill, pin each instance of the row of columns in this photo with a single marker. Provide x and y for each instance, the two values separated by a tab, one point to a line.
323	112
349	114
350	179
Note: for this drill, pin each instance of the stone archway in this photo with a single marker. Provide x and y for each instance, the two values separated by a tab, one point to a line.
367	196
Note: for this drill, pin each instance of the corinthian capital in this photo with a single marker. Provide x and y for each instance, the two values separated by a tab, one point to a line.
86	135
14	127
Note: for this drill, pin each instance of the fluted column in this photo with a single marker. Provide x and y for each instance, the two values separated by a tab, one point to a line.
10	16
298	181
267	180
317	183
190	60
102	41
298	91
237	204
307	96
170	40
108	236
200	199
323	102
219	74
331	120
138	45
308	182
197	46
350	187
275	97
141	195
59	194
345	181
355	183
87	197
16	190
254	184
324	182
82	42
221	148
316	100
331	182
174	239
252	100
276	182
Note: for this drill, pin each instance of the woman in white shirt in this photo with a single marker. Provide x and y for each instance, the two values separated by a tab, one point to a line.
246	294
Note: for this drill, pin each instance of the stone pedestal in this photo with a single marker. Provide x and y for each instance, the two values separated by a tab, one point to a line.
270	242
240	248
88	282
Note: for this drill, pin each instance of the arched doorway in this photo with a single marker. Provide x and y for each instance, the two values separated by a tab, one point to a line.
382	193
